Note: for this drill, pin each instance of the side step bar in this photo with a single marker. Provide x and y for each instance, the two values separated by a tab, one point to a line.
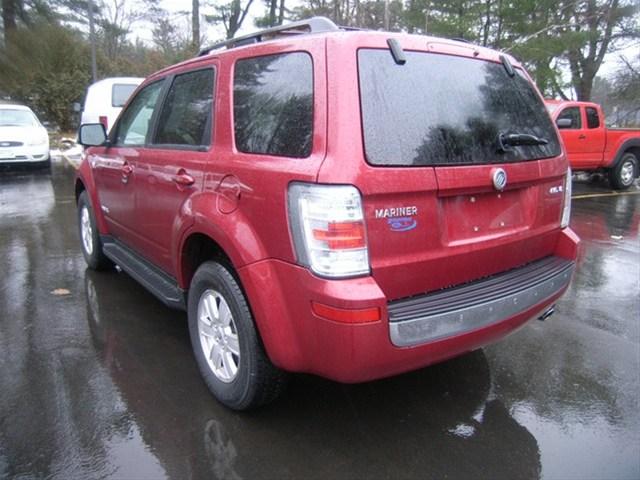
151	277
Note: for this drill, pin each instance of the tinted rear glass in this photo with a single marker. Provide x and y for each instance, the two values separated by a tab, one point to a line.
273	104
593	120
120	93
443	110
185	118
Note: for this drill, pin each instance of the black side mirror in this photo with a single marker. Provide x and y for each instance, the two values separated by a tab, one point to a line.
92	135
564	123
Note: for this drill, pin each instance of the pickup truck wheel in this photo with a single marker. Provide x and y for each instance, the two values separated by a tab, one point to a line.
89	236
622	175
225	342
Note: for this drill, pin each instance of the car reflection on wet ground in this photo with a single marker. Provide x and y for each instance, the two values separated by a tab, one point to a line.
97	379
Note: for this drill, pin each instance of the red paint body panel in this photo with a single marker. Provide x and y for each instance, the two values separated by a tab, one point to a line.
297	340
591	148
465	229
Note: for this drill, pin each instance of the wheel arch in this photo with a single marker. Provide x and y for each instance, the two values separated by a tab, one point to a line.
630	146
85	182
196	248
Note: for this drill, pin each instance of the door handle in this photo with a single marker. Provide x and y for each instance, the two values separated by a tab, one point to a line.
582	137
183	179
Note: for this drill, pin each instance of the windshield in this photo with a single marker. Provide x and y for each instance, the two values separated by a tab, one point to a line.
447	110
17	118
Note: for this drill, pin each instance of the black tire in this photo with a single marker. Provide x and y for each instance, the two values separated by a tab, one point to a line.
256	380
95	258
619	175
43	165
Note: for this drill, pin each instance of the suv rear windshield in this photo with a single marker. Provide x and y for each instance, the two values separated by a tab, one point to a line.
443	110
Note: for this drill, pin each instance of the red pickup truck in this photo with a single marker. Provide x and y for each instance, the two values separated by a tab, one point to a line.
591	146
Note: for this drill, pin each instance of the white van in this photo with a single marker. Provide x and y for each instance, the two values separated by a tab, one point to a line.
106	98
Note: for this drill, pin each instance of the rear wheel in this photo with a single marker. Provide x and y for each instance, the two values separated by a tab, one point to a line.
89	235
225	342
623	174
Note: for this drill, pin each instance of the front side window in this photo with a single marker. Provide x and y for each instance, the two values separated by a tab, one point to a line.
185	118
573	114
446	110
593	119
273	104
136	119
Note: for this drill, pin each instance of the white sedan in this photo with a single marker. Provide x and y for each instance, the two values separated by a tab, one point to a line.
23	139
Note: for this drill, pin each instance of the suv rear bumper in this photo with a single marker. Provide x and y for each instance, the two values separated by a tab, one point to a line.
297	340
453	311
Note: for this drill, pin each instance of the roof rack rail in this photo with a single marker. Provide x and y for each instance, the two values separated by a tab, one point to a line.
311	25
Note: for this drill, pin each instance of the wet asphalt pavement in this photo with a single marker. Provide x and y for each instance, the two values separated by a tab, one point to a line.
97	379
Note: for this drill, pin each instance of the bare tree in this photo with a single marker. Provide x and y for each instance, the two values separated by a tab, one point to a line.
232	15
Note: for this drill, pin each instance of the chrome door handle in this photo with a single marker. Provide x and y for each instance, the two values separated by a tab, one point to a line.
183	179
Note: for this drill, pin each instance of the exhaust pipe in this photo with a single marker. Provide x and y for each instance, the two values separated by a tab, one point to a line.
547	313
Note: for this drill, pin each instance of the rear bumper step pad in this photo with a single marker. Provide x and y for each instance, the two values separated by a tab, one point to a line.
453	311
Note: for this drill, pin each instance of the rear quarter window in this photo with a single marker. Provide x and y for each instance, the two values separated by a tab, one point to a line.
447	110
273	104
593	120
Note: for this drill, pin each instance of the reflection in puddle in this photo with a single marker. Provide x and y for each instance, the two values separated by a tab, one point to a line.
419	423
221	452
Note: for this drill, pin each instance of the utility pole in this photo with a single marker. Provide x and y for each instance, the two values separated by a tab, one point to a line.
386	15
195	24
92	40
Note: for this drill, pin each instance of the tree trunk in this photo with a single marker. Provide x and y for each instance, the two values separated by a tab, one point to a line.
281	13
273	7
195	24
586	61
9	10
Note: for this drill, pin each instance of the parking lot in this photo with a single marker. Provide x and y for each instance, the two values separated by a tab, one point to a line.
97	378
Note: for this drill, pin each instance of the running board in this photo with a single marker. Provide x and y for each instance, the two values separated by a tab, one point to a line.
148	275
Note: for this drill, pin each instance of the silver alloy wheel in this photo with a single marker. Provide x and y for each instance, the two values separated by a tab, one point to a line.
626	172
86	231
218	336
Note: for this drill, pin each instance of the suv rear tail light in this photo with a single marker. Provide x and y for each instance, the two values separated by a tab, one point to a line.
328	229
566	211
105	122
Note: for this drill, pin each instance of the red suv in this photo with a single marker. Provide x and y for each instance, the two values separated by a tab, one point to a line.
345	203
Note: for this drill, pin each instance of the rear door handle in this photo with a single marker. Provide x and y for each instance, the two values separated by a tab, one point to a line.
183	179
582	137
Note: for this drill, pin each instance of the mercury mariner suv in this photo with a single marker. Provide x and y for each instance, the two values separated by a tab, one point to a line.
350	204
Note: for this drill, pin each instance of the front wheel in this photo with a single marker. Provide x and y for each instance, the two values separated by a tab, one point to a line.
623	174
89	235
230	356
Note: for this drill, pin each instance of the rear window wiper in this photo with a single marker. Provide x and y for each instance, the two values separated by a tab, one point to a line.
508	140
